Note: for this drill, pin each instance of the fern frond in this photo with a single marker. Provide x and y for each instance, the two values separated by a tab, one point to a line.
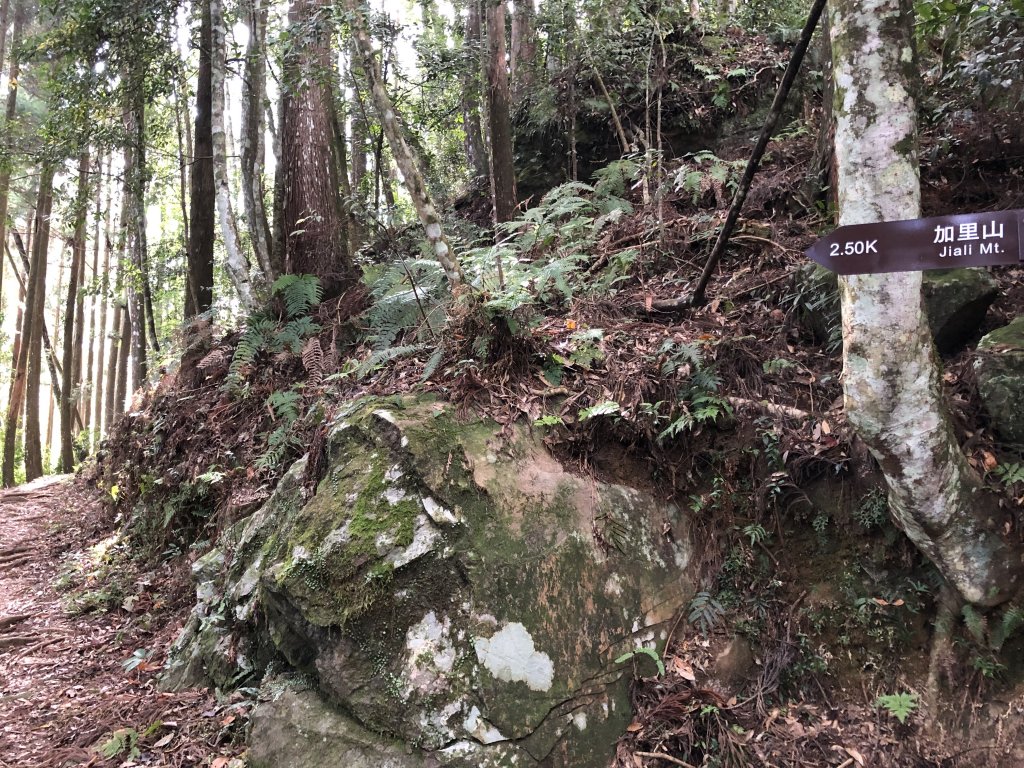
313	360
299	293
380	357
976	624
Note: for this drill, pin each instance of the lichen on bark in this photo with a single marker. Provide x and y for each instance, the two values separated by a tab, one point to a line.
892	382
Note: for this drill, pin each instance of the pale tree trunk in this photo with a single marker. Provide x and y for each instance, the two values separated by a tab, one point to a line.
405	158
253	149
234	259
135	232
893	390
503	175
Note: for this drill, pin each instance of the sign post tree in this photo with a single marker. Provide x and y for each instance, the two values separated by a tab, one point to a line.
892	384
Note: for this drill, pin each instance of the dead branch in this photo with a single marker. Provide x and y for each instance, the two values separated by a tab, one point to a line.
774	409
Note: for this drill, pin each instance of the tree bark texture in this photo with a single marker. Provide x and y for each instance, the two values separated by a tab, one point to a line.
9	114
234	260
405	157
33	336
199	297
503	175
892	382
253	145
315	239
73	317
135	231
476	148
523	55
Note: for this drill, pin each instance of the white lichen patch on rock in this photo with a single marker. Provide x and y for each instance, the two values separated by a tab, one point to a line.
425	538
439	514
510	655
480	729
430	653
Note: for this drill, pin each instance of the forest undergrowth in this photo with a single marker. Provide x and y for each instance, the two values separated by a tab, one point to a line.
809	635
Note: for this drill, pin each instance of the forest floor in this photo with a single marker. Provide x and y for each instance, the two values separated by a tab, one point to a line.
81	639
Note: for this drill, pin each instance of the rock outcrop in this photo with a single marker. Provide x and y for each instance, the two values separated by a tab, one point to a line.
999	368
447	587
955	302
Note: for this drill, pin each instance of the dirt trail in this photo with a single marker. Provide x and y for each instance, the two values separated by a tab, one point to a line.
64	690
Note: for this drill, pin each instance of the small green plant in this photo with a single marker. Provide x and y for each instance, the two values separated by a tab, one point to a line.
549	420
283	325
606	408
777	365
704	612
899	705
989	667
873	509
1010	474
123	741
756	533
655	657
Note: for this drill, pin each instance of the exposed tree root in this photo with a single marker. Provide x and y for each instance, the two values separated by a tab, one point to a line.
949	605
7	622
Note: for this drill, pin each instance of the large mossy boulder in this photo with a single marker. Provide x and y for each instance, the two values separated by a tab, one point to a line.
999	368
447	585
955	302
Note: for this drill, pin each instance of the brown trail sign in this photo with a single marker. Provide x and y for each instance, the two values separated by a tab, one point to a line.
942	242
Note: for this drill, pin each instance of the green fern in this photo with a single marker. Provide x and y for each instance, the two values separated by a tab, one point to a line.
899	705
285	405
1013	618
705	612
299	294
380	357
408	297
976	624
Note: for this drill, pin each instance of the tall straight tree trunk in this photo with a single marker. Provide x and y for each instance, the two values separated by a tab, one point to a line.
88	386
120	388
9	114
253	148
315	237
34	318
476	147
135	232
199	296
105	364
523	56
184	159
360	126
234	260
407	161
503	175
892	382
16	392
72	316
5	11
